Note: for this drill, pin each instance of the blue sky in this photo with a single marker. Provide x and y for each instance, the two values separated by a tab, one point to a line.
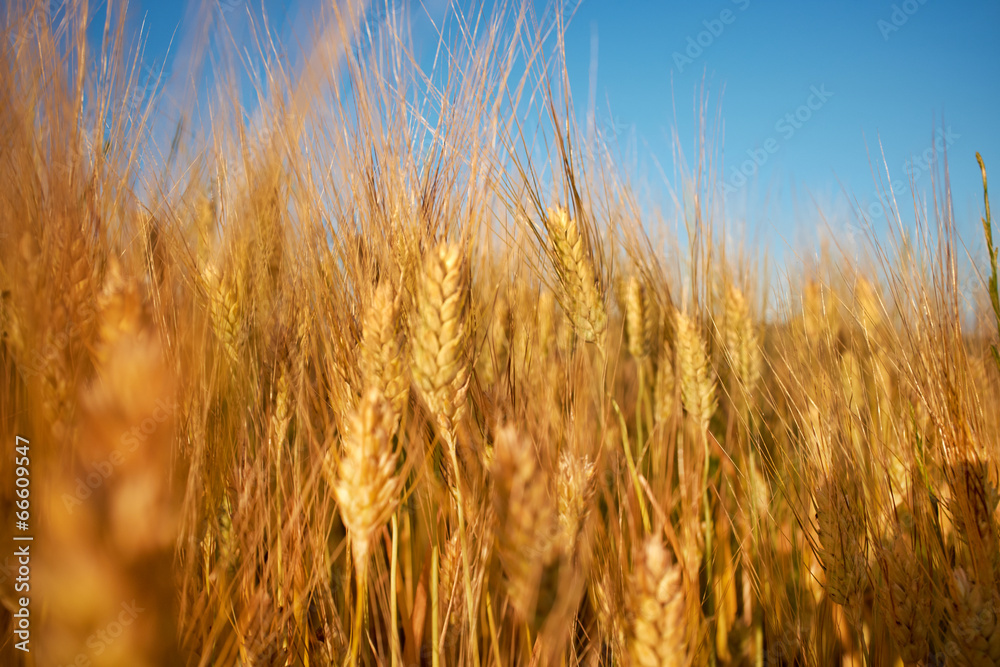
806	91
889	71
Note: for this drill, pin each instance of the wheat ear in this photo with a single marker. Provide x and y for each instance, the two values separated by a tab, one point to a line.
657	630
366	487
973	630
697	383
638	316
525	518
580	292
439	353
742	342
905	599
383	362
440	369
841	540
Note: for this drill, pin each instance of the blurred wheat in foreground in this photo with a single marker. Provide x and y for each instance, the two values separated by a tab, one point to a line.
398	370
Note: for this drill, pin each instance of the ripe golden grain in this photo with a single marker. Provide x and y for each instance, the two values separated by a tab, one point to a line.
439	345
580	294
522	502
973	629
365	484
742	342
657	607
696	380
383	360
841	537
575	489
637	313
128	285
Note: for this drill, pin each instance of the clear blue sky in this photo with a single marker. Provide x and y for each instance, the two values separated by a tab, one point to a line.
872	70
890	71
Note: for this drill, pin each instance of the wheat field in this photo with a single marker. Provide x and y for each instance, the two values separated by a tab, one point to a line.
401	368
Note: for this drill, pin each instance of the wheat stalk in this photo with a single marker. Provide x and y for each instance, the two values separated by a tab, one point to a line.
440	369
366	487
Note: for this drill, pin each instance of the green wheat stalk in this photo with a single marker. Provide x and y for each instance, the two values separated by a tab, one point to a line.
988	230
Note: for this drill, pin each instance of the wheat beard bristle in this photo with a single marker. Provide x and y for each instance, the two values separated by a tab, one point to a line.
657	613
546	323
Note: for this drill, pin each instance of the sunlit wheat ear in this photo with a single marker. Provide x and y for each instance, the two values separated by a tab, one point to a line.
383	362
580	294
576	488
973	628
636	315
742	341
525	518
664	391
439	346
281	416
226	311
656	637
365	483
905	599
697	381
